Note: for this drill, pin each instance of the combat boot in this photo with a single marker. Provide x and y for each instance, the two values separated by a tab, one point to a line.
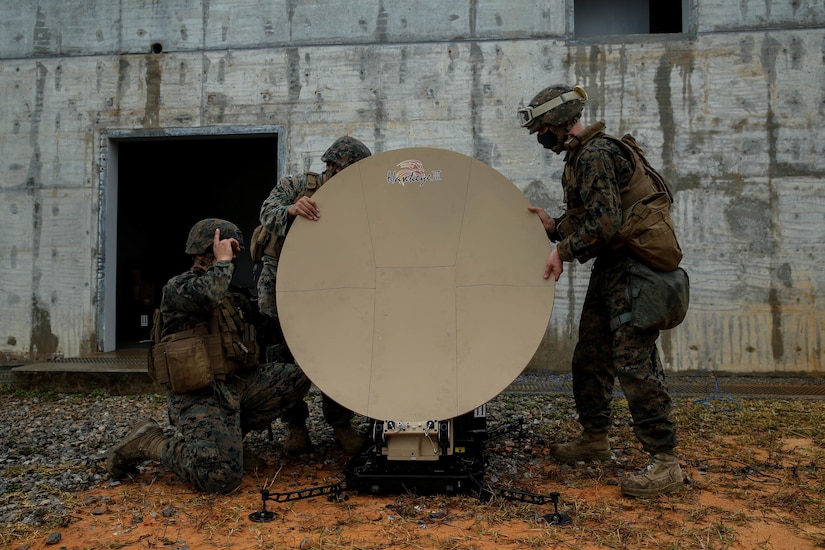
349	440
252	460
588	446
297	441
142	443
661	476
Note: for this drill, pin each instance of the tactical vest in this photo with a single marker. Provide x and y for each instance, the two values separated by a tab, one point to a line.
647	229
265	243
193	359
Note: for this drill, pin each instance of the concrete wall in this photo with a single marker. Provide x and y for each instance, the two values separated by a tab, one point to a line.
731	111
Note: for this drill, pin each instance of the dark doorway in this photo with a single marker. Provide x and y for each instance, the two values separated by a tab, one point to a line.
164	187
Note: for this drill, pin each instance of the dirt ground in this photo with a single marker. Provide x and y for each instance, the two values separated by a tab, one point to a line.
753	482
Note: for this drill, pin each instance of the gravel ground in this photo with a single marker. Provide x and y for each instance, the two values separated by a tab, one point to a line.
56	445
53	445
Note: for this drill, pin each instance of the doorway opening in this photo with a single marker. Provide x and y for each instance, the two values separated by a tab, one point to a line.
163	186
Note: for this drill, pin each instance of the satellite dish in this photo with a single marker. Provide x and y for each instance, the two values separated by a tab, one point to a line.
418	294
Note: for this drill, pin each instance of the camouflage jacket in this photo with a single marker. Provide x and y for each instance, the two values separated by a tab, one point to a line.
595	170
189	298
273	215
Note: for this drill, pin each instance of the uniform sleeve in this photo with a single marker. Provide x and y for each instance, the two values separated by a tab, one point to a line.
599	170
195	294
555	236
273	215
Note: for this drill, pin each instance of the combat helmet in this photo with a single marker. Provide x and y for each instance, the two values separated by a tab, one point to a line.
202	235
345	151
553	105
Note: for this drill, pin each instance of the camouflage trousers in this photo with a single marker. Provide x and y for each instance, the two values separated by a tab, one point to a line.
272	338
268	269
211	423
602	354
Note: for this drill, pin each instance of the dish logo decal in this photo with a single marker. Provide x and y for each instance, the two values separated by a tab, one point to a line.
411	171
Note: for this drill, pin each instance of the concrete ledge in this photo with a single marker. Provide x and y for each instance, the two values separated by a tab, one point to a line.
78	377
128	376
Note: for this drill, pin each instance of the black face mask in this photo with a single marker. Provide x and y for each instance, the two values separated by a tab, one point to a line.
553	139
548	139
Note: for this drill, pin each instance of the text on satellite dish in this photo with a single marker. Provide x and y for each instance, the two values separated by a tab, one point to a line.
412	171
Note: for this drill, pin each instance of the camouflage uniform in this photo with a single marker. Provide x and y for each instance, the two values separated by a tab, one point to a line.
212	422
273	217
595	170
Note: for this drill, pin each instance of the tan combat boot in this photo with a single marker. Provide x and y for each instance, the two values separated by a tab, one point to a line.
142	443
349	440
297	441
661	476
588	446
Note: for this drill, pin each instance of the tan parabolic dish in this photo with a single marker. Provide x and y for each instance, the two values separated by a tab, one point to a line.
418	294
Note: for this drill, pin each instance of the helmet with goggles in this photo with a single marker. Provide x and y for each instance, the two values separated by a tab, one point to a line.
552	106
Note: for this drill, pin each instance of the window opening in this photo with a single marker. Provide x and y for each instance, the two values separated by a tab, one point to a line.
610	17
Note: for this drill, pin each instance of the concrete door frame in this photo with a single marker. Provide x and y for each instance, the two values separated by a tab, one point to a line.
106	275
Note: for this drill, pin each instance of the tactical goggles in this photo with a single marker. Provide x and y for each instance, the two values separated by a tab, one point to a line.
528	115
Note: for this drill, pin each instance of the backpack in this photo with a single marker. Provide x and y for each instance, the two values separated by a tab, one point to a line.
657	288
647	229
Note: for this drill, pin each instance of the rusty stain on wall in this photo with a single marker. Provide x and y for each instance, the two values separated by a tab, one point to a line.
44	343
729	112
152	80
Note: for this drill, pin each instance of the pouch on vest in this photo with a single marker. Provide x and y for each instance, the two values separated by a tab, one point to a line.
658	299
239	344
648	232
188	365
189	360
260	238
265	243
193	359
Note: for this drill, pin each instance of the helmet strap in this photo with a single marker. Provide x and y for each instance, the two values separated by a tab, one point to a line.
204	261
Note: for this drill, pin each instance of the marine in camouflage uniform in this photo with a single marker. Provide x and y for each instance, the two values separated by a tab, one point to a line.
290	198
207	450
596	169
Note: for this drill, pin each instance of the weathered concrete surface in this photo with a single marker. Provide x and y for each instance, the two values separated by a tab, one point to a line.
731	112
84	377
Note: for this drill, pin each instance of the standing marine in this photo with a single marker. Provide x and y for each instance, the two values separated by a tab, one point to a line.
596	170
290	198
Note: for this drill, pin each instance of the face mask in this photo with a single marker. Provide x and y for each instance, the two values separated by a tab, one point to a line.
550	140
